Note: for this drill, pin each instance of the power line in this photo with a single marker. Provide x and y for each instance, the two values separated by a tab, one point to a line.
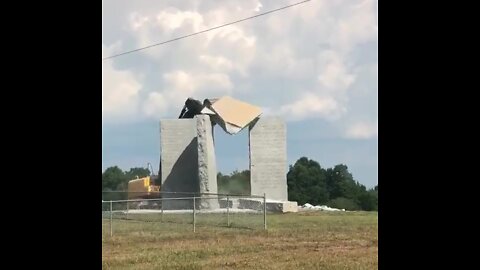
182	37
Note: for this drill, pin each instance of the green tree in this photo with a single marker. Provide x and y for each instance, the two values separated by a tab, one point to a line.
306	182
137	171
309	182
344	203
340	183
368	200
222	182
112	178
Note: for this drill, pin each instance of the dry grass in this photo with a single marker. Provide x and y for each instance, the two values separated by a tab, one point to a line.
321	240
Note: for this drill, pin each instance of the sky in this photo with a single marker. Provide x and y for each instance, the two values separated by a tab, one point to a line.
314	64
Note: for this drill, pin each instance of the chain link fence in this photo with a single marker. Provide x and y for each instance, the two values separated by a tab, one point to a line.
180	211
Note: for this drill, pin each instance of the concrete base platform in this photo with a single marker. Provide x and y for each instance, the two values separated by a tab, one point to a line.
272	206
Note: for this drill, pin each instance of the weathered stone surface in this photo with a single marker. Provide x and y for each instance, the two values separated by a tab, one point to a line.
272	206
282	207
268	158
207	169
230	203
179	160
250	203
188	163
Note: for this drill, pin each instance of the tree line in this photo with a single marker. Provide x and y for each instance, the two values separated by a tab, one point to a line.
307	182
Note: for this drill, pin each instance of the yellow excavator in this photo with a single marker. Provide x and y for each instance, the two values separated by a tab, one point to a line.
144	188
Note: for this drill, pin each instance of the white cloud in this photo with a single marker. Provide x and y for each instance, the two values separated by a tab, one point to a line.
362	130
155	105
217	63
175	19
180	85
358	26
120	90
189	84
171	22
137	21
258	7
282	60
334	74
312	63
313	106
303	56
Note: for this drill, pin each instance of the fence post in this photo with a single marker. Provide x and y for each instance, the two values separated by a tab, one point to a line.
264	211
161	204
127	208
194	213
111	213
228	211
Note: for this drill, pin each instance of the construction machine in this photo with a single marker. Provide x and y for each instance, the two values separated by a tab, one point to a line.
144	187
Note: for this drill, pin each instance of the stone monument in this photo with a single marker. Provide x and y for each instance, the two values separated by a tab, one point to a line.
188	162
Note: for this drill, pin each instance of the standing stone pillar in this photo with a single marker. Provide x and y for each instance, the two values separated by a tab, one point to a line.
207	168
268	158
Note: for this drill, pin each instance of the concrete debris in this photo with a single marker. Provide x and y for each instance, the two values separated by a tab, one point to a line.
308	206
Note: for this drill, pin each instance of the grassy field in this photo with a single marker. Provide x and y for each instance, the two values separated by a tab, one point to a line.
306	240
